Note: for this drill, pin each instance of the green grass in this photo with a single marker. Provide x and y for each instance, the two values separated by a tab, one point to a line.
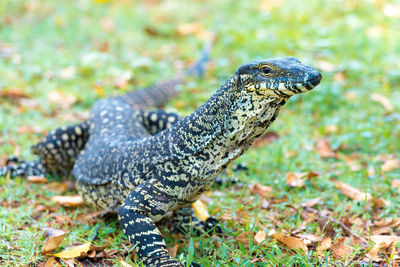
102	42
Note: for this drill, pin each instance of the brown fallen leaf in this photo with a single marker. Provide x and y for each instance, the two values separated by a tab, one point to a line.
266	139
13	93
57	187
390	165
312	202
259	237
68	201
378	230
354	166
352	192
195	29
324	149
173	250
325	244
308	239
267	5
37	179
385	238
383	100
396	184
391	222
124	263
30	129
289	241
54	239
243	238
326	66
379	203
73	252
296	179
88	216
200	209
350	95
331	128
64	100
340	249
261	190
52	262
373	253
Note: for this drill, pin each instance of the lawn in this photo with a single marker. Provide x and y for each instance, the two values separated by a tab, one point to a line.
58	57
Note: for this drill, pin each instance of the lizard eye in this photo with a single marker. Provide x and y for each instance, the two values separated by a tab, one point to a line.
266	70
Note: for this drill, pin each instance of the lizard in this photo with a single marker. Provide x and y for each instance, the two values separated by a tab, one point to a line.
59	148
144	176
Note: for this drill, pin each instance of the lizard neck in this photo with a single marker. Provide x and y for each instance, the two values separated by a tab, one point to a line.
229	121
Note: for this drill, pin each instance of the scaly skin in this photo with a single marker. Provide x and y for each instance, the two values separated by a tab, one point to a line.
58	150
148	175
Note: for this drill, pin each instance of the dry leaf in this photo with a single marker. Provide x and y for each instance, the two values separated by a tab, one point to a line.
296	179
354	166
259	237
73	252
266	139
124	263
37	179
378	230
57	97
200	209
385	238
396	184
383	100
107	24
261	190
173	250
311	202
380	203
392	222
332	128
340	248
13	93
390	164
52	263
54	239
88	216
325	244
373	254
289	241
339	77
352	192
324	149
243	238
350	95
195	29
57	187
308	239
267	5
326	66
68	201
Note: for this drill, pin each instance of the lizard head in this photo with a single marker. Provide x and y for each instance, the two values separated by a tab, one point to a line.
258	90
280	77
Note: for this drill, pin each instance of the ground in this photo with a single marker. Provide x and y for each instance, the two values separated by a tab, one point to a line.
58	57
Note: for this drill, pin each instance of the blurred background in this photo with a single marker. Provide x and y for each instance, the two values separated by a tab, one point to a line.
58	57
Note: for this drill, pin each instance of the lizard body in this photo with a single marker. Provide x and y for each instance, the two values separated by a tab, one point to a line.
143	174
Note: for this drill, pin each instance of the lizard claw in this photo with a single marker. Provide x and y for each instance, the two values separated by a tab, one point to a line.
212	224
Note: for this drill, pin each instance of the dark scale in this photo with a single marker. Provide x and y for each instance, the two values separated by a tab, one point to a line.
124	166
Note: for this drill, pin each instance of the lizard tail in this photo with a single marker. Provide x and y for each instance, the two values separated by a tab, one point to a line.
158	94
23	169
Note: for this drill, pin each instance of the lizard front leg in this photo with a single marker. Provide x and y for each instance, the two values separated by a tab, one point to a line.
145	205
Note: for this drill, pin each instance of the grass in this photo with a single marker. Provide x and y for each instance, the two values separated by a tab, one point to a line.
82	49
